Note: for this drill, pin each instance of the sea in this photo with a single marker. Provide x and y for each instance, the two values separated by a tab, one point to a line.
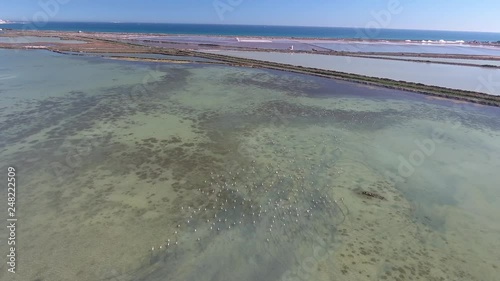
262	30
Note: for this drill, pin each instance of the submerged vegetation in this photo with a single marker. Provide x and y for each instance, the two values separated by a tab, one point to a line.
244	173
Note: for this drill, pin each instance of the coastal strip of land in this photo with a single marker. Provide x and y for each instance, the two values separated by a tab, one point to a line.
117	43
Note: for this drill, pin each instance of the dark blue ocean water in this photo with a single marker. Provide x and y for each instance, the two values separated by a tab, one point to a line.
254	30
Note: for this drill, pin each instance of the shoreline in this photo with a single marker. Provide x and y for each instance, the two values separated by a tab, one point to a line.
277	37
98	44
56	33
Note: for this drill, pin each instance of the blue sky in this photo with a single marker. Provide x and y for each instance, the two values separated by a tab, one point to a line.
468	15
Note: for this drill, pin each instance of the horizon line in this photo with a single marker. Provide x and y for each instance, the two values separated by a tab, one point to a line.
239	24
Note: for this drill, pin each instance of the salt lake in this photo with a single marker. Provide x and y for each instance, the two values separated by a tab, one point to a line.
154	171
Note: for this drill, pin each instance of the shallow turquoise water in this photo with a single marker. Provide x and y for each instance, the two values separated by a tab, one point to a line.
35	39
141	171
